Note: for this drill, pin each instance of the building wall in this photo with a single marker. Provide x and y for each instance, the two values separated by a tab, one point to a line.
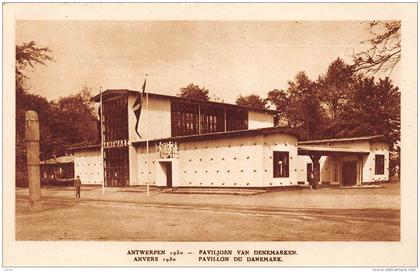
366	166
280	143
88	165
369	163
144	173
235	162
260	120
222	163
159	119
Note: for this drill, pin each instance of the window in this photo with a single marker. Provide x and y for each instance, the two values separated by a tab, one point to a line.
236	119
184	119
379	164
212	119
280	164
116	118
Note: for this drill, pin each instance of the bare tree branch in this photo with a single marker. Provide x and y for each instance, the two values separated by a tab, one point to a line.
385	48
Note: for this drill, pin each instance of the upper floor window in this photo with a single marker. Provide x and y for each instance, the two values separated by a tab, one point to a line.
116	118
379	164
236	119
189	119
184	119
212	119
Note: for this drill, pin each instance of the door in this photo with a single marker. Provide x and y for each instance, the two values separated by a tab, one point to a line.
168	172
349	171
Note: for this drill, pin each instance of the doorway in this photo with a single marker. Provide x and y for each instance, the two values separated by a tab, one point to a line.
349	176
167	169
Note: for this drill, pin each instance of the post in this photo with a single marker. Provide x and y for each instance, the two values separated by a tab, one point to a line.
147	144
316	170
224	118
32	157
102	141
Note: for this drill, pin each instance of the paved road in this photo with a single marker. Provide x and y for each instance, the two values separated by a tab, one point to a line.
276	216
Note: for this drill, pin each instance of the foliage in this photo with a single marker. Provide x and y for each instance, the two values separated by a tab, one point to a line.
304	111
253	101
385	48
334	88
27	55
69	121
280	100
194	92
374	108
79	115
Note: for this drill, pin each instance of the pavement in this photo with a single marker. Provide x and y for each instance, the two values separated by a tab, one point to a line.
324	198
203	214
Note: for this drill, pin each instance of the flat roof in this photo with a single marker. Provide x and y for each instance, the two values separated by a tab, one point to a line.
364	138
227	134
109	92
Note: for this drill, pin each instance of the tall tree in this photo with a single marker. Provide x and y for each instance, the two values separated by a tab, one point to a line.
305	111
253	101
334	88
280	99
77	123
374	108
384	52
28	55
195	92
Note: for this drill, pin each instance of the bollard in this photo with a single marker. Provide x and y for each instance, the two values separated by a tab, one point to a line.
32	156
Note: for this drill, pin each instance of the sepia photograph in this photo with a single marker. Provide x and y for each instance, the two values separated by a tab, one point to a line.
198	130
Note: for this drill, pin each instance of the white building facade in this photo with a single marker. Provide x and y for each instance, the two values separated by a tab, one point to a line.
207	144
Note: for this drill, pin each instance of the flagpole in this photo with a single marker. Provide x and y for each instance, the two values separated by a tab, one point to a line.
147	142
102	143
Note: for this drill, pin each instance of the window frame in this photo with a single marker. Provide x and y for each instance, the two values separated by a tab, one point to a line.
277	155
379	168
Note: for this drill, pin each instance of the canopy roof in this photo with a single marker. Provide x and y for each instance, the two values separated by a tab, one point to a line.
328	150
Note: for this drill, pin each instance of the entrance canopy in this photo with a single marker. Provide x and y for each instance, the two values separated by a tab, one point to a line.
328	150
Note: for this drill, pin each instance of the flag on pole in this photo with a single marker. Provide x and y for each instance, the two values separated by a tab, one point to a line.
137	106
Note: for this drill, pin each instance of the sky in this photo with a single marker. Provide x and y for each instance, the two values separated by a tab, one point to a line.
230	58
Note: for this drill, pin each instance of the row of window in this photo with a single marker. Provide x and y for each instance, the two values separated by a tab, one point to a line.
190	119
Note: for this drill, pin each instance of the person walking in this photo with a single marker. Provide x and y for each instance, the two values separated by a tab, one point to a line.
77	185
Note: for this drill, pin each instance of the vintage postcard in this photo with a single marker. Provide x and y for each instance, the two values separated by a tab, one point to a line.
210	134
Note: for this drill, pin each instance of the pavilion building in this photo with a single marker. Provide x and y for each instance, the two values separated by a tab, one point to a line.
194	143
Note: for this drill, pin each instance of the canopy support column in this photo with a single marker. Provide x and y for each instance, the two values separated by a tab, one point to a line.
316	173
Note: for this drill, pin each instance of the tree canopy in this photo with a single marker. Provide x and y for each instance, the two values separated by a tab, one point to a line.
28	55
253	101
195	92
63	123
